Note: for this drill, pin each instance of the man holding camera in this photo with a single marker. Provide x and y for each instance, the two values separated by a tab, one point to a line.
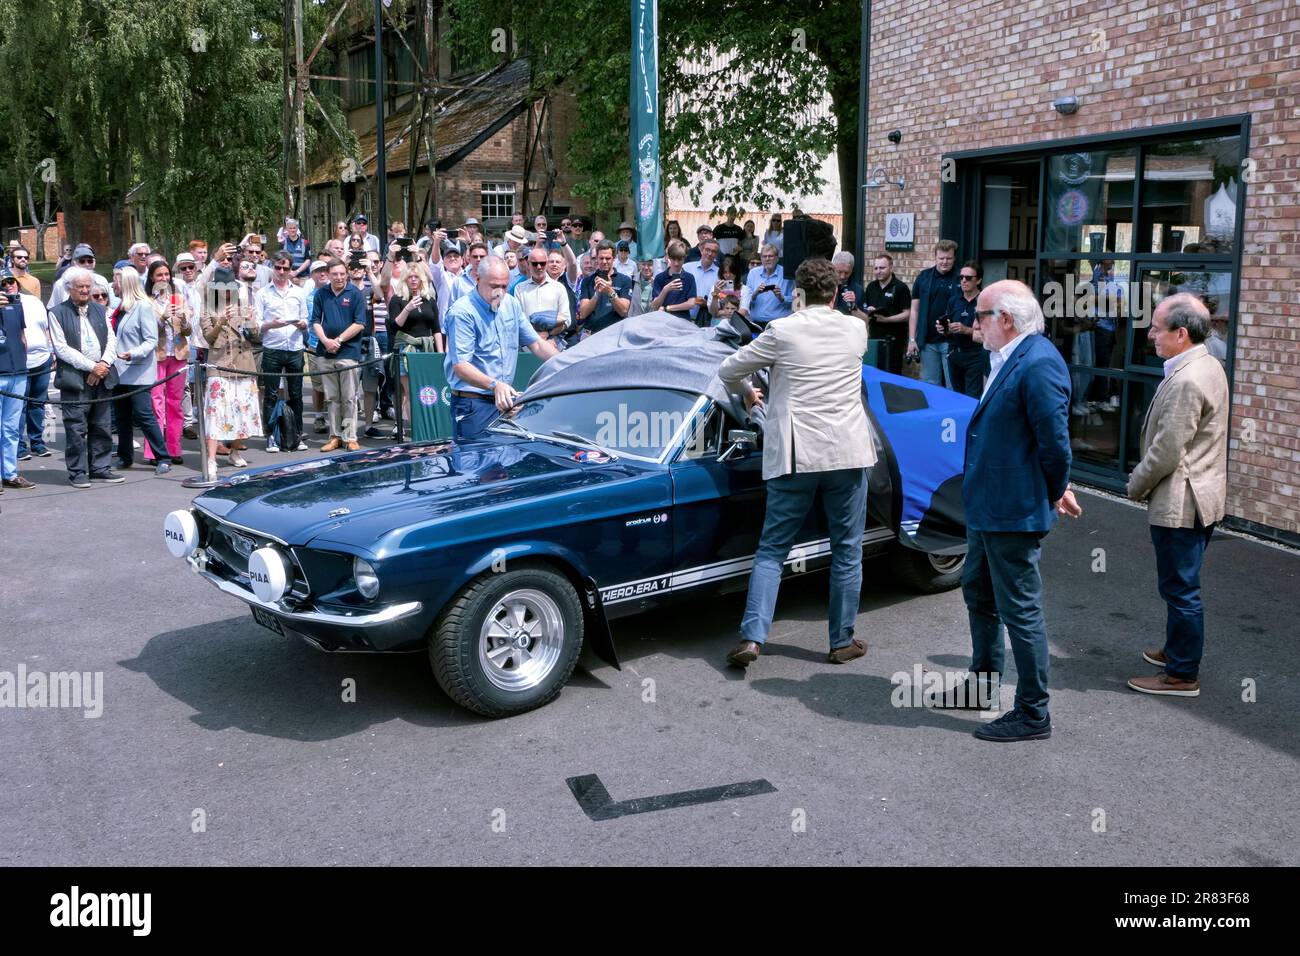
889	305
606	295
931	292
771	294
817	441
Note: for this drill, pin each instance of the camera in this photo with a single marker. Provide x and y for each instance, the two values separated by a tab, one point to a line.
912	358
453	234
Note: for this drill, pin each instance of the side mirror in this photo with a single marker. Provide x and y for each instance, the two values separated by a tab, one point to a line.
740	440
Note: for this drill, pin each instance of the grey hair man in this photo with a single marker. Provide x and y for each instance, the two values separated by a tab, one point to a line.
1183	476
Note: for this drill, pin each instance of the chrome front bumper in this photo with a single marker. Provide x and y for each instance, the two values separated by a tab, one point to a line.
378	618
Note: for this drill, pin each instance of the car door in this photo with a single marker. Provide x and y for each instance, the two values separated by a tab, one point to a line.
717	507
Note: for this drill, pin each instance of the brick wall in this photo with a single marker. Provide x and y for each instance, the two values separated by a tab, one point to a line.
94	229
983	73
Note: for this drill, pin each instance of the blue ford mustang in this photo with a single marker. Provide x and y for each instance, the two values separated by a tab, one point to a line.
627	477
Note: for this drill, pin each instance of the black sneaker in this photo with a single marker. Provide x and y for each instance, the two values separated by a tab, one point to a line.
974	693
1015	725
24	455
43	453
320	428
123	464
373	432
78	482
108	477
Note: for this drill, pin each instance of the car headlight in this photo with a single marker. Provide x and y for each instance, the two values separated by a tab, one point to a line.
366	578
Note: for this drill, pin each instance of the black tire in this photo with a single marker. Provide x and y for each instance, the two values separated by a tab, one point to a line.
462	670
927	573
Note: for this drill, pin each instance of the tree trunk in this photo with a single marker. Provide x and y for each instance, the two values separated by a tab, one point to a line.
71	204
844	103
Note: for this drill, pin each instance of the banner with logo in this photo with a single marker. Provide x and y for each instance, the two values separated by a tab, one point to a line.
431	395
643	99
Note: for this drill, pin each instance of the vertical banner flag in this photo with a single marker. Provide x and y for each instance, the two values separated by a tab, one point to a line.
647	185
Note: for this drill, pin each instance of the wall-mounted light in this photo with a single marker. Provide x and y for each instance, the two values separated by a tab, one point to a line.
881	178
1066	105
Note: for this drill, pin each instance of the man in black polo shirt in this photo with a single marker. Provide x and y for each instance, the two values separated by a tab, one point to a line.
968	361
606	294
889	304
930	294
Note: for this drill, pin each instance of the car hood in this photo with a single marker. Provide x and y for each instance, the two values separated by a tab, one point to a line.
372	492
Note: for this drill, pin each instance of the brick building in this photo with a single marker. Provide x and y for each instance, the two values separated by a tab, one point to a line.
486	136
1181	166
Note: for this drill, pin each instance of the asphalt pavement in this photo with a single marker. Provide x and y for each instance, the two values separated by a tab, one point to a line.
221	743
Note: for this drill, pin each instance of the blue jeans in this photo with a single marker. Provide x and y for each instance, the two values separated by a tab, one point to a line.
934	364
789	498
471	416
1002	585
11	423
1179	553
38	387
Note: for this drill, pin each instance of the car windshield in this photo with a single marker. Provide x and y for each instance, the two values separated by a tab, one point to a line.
637	422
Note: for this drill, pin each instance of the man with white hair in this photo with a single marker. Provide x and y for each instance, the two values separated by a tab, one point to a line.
849	298
486	330
1183	475
1016	481
139	254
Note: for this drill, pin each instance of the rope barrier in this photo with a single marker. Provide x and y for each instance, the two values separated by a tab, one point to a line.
186	370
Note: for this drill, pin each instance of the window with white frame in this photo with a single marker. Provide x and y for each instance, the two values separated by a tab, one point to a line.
498	200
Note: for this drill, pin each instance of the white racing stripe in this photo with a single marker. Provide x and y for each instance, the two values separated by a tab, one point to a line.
719	570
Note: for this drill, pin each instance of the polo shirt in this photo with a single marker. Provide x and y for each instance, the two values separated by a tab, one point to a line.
13	354
336	313
962	310
604	314
685	293
490	341
765	307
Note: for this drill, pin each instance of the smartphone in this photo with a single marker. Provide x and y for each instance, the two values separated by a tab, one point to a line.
453	234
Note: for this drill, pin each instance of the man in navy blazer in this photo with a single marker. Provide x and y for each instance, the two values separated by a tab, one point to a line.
1016	481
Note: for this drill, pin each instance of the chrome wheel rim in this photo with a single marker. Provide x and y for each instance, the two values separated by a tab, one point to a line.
946	563
521	639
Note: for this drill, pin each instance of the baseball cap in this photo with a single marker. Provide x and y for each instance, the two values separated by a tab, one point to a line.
83	251
623	246
361	218
703	227
319	264
6	274
450	248
121	264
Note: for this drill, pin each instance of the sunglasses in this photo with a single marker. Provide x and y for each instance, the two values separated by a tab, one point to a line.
186	267
537	265
967	278
99	295
985	313
90	261
283	268
18	258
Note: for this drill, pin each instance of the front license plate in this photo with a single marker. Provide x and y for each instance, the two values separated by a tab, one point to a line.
267	620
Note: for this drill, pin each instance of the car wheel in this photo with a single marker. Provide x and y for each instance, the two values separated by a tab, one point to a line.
508	642
927	573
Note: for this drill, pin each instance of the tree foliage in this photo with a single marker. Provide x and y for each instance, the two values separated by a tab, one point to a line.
182	104
747	117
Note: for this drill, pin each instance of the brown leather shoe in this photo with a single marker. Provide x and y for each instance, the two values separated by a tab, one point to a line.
744	653
1156	657
354	446
850	652
1165	686
332	445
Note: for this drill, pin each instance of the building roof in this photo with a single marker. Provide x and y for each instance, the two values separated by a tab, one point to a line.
463	120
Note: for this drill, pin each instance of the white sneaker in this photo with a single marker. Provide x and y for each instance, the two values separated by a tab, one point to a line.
1112	403
1079	409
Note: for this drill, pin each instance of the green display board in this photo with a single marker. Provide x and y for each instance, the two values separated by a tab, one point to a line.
431	396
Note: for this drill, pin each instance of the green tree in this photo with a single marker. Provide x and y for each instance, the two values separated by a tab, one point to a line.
183	105
748	114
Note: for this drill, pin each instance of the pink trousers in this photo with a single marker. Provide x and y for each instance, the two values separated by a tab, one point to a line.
167	399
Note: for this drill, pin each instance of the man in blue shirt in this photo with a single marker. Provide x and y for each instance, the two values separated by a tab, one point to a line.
338	317
296	244
674	288
486	330
770	292
605	296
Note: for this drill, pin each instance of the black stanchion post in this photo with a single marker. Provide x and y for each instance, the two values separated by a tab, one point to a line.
397	405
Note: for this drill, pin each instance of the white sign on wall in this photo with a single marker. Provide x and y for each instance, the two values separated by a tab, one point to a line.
900	231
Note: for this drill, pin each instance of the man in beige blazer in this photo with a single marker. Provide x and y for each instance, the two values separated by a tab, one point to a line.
1183	475
816	438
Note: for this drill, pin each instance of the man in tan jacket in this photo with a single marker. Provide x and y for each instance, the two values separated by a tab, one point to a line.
816	438
1183	475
